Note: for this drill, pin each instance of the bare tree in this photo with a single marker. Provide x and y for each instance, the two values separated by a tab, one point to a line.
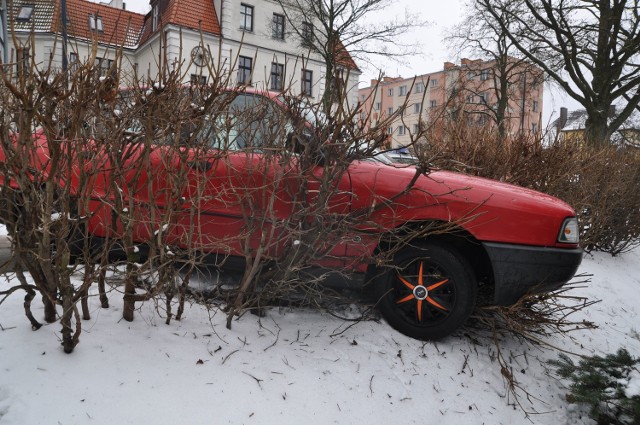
482	36
590	48
339	31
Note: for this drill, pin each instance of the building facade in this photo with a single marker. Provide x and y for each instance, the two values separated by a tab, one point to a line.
249	41
3	31
460	92
570	127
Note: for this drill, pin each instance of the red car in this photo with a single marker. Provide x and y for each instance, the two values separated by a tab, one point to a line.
514	239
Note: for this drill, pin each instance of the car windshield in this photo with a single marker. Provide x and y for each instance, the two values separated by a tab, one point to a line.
312	114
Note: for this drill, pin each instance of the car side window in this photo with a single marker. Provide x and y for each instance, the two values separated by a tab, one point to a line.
221	133
255	122
250	122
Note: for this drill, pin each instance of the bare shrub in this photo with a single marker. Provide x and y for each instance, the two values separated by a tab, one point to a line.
534	319
606	197
144	167
44	112
599	183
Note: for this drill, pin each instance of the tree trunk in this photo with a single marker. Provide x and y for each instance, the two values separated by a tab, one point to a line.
65	321
35	325
129	304
596	132
104	300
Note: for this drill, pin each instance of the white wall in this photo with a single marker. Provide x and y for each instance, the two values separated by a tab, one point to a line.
3	31
178	44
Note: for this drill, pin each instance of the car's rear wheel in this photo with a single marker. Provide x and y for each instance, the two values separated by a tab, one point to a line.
428	292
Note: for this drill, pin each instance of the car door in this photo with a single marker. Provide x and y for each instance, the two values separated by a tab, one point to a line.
249	193
235	202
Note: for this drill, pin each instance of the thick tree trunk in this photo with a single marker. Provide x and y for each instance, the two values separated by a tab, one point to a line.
596	131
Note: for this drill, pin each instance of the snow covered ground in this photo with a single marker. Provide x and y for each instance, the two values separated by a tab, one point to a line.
293	366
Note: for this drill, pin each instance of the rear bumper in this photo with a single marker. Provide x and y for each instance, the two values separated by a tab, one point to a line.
519	269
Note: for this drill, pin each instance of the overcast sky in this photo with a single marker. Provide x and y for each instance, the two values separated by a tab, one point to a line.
441	15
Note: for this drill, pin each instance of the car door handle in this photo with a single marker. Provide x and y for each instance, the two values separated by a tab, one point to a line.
200	165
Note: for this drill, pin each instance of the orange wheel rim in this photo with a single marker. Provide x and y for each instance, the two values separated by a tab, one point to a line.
426	294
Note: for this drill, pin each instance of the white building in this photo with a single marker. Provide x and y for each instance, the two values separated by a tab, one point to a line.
248	40
3	31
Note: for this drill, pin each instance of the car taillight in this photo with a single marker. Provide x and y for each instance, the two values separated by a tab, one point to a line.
569	232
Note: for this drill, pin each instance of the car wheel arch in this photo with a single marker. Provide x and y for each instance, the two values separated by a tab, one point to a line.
457	238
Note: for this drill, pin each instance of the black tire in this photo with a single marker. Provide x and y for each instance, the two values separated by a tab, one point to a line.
430	306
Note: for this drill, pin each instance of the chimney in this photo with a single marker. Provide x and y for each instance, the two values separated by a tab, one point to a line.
448	65
562	121
465	61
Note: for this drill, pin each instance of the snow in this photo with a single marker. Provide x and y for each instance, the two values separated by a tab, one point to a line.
297	365
633	384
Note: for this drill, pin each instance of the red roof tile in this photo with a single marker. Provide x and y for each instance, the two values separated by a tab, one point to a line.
192	14
343	57
119	27
40	19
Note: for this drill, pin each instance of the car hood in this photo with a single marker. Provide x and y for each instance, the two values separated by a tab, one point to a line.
490	210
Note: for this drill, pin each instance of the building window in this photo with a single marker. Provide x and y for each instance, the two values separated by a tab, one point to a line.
402	91
390	130
339	81
534	127
483	98
245	64
535	106
307	34
470	98
433	103
246	17
470	75
24	14
105	66
198	80
417	107
154	21
434	83
74	61
95	23
484	75
419	87
23	61
278	26
378	106
390	111
401	130
307	82
390	92
416	128
277	76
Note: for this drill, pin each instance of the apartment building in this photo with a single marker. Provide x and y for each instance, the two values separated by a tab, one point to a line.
461	92
249	40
